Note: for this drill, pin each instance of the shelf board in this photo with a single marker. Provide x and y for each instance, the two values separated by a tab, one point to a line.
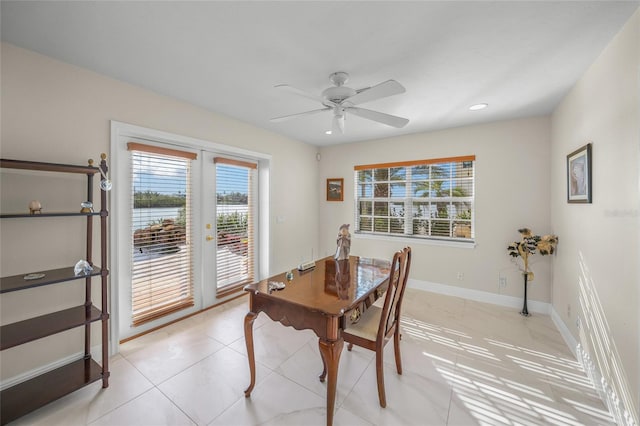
25	397
56	214
31	329
47	167
52	276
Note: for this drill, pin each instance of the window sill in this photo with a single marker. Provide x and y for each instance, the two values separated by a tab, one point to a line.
416	241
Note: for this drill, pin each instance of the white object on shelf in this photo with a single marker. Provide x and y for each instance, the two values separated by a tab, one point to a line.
306	265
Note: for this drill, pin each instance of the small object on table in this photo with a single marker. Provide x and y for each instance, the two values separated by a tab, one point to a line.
289	276
34	276
344	243
276	285
35	207
305	266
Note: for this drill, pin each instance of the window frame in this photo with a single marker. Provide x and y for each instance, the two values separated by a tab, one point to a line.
379	207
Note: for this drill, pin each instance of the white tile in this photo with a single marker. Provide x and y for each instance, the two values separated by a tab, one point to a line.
411	399
305	366
227	325
206	389
274	343
276	400
151	408
167	357
125	383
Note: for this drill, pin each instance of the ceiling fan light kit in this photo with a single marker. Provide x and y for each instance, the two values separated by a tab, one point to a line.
341	100
478	107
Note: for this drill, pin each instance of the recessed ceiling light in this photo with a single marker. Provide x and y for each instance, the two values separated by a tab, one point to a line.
328	132
476	107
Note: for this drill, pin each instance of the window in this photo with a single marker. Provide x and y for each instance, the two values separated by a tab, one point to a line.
162	261
430	199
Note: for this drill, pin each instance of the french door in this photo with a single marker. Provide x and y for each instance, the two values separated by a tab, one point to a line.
230	209
190	232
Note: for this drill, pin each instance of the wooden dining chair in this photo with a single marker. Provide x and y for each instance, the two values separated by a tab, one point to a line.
379	323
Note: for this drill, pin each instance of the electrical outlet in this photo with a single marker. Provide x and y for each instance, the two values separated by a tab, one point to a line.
568	310
503	282
460	276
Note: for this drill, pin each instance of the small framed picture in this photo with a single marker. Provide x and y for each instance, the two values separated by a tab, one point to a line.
579	175
335	189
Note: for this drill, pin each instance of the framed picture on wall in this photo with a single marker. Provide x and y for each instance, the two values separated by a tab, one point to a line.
335	189
579	175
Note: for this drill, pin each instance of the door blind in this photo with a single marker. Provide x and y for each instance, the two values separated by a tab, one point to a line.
162	261
235	224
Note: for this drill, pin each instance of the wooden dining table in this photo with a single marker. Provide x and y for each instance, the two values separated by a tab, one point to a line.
324	299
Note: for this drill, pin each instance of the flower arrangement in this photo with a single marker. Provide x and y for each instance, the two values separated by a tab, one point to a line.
528	245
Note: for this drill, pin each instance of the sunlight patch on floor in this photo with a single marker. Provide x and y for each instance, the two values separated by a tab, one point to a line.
501	382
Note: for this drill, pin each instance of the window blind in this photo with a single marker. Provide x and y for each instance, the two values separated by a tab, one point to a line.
162	261
431	199
235	224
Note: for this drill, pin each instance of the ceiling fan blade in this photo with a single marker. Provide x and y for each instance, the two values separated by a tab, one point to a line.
382	90
337	125
287	117
300	92
380	117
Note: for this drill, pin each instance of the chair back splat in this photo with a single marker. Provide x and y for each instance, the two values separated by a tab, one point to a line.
390	316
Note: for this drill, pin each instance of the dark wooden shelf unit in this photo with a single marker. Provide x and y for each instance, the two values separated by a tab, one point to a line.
39	215
47	167
14	334
53	276
29	395
33	394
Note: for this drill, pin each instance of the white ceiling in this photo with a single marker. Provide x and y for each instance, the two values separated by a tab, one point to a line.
519	57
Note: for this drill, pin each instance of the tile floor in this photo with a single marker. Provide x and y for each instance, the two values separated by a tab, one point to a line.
465	363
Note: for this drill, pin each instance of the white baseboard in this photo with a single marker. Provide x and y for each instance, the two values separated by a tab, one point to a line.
480	296
565	333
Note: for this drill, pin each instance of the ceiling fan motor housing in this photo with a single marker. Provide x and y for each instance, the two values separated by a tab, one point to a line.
338	94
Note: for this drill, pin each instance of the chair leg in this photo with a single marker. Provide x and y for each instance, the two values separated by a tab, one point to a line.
396	349
380	376
349	347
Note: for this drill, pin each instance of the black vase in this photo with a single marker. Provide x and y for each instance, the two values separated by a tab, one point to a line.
525	311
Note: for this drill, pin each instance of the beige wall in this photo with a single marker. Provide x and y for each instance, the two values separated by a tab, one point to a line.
512	186
56	112
596	272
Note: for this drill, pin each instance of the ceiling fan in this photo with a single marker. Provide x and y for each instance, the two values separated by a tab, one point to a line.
341	100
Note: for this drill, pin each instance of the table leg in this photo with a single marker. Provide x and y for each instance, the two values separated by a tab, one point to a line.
331	351
248	339
324	368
